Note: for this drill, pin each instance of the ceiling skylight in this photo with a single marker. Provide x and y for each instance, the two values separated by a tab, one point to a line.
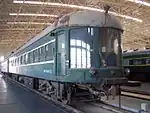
32	14
77	7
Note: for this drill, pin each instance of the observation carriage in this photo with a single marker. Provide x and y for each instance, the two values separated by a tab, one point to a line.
81	50
138	63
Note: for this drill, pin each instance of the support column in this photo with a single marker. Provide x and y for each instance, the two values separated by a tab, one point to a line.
35	83
119	97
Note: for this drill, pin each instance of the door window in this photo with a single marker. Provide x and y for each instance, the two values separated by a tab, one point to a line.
61	53
80	55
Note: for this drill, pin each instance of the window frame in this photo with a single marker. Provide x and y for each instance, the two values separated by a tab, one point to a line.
83	46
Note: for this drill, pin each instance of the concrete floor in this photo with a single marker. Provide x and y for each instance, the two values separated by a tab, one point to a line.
145	87
92	108
14	99
128	103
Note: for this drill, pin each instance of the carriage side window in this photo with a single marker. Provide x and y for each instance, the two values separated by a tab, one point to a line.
143	61
15	62
39	50
125	62
27	58
18	61
130	62
11	62
30	55
137	61
24	59
49	51
147	61
21	60
33	56
53	50
46	52
42	54
36	56
80	54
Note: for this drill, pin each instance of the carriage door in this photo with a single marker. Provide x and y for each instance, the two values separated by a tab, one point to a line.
61	54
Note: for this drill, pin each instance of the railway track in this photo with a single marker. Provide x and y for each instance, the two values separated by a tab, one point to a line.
135	94
80	106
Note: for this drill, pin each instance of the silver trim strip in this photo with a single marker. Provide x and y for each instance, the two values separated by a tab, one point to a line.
37	63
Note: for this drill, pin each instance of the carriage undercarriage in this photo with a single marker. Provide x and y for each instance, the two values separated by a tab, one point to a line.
68	93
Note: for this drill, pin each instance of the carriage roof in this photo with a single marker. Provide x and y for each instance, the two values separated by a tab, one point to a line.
137	52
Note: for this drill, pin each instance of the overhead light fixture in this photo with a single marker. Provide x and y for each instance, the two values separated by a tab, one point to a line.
32	14
75	6
21	29
140	2
35	23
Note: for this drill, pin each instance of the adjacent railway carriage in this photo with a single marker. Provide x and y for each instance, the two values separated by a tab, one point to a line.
139	64
4	66
80	50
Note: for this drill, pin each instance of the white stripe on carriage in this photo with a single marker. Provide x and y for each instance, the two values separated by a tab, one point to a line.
37	63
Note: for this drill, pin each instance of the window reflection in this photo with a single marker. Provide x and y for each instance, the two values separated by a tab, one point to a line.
109	42
83	44
78	42
147	61
73	42
80	54
83	59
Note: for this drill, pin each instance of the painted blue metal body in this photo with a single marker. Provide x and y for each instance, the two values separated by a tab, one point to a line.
51	69
73	53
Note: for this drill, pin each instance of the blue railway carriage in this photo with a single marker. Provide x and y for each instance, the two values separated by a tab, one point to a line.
81	49
139	64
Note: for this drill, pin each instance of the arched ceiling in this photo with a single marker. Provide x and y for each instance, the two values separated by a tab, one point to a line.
20	20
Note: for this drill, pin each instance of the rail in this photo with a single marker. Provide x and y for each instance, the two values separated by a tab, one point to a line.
135	94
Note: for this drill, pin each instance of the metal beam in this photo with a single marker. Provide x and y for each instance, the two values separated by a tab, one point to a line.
8	18
21	29
32	9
